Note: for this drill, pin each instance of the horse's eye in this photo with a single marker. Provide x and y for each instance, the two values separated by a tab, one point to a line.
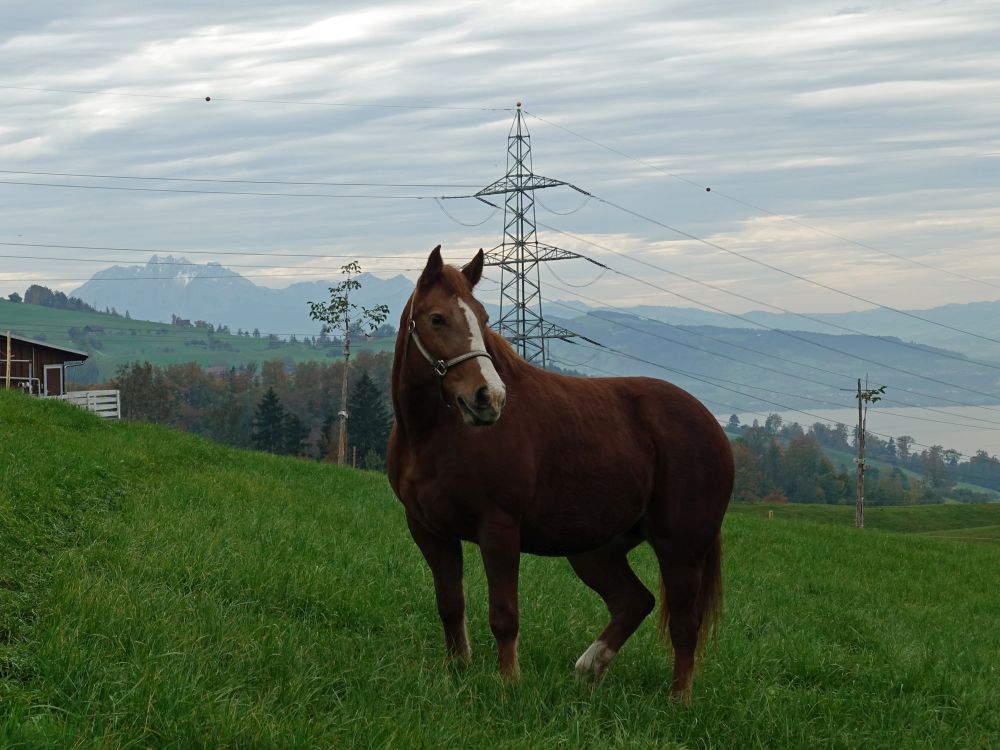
437	320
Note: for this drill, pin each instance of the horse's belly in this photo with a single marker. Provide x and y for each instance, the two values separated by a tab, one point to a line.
577	517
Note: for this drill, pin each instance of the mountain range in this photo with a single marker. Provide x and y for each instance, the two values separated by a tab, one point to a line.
166	286
926	355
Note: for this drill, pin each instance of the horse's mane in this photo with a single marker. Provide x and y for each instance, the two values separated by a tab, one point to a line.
504	356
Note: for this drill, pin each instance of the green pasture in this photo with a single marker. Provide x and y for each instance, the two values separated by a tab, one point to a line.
160	591
125	341
925	519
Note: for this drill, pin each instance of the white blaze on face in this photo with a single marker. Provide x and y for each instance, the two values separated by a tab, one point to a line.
498	390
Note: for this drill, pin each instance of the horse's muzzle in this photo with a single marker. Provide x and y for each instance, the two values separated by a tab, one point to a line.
485	409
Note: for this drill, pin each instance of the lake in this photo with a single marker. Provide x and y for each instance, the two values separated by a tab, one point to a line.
964	428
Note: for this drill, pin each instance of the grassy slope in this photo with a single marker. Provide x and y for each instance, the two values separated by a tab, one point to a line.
120	346
162	591
921	519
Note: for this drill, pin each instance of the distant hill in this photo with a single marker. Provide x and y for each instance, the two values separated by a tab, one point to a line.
112	340
981	318
167	286
736	366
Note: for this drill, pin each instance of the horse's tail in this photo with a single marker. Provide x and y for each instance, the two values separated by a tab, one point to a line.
708	608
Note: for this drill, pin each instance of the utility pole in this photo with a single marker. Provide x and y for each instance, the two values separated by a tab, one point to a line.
859	505
865	397
520	252
7	364
343	414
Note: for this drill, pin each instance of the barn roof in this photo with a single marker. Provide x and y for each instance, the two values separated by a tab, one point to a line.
25	340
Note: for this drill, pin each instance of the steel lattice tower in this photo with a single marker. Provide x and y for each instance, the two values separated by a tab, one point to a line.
520	252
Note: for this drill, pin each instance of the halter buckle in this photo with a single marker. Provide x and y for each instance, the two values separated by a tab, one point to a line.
441	368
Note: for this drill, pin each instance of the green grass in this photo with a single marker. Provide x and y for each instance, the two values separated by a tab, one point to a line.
161	591
120	346
908	520
972	534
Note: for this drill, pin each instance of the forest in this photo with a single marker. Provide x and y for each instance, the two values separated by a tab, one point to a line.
283	407
776	462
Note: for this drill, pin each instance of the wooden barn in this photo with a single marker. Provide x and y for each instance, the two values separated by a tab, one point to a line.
36	366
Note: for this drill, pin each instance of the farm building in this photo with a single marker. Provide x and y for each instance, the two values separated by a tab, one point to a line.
40	369
36	366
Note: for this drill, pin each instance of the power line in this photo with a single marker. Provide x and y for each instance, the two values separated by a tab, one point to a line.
235	181
824	346
784	373
782	332
440	204
990	396
784	407
195	278
748	204
279	275
791	274
177	263
804	316
216	192
247	253
768	369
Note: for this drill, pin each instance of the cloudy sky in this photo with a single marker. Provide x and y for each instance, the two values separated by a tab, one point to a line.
853	144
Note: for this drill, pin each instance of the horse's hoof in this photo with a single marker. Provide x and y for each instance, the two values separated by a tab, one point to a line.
681	698
592	663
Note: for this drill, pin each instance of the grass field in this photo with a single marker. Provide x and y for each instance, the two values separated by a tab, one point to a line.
160	591
125	341
922	519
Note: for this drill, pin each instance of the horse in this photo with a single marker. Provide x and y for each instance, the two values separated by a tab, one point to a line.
487	448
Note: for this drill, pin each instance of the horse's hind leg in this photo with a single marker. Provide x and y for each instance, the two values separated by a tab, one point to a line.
607	571
691	584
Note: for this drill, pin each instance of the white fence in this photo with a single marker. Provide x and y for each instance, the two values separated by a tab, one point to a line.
107	404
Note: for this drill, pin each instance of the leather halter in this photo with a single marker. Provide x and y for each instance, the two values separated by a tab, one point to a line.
441	366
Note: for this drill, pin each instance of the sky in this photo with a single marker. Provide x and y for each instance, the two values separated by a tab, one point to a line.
852	144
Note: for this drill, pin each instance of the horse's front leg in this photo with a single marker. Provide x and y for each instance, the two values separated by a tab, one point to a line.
444	557
500	544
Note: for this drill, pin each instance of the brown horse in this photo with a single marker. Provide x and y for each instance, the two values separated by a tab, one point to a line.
576	467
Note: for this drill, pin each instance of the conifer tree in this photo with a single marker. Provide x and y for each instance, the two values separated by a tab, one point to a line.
370	418
269	424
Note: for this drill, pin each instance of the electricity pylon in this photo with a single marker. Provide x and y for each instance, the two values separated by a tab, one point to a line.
520	252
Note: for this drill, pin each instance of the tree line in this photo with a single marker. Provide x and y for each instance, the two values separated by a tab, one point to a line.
787	463
291	408
282	407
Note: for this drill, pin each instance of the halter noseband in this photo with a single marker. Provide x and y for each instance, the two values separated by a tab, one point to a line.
441	366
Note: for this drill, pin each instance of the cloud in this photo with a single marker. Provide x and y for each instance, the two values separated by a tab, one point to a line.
864	121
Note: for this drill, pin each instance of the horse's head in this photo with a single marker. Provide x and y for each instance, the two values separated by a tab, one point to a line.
446	325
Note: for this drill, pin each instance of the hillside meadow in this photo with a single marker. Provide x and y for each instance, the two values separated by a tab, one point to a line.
157	590
119	341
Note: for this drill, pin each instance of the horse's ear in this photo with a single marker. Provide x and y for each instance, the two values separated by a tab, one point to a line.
474	269
432	271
